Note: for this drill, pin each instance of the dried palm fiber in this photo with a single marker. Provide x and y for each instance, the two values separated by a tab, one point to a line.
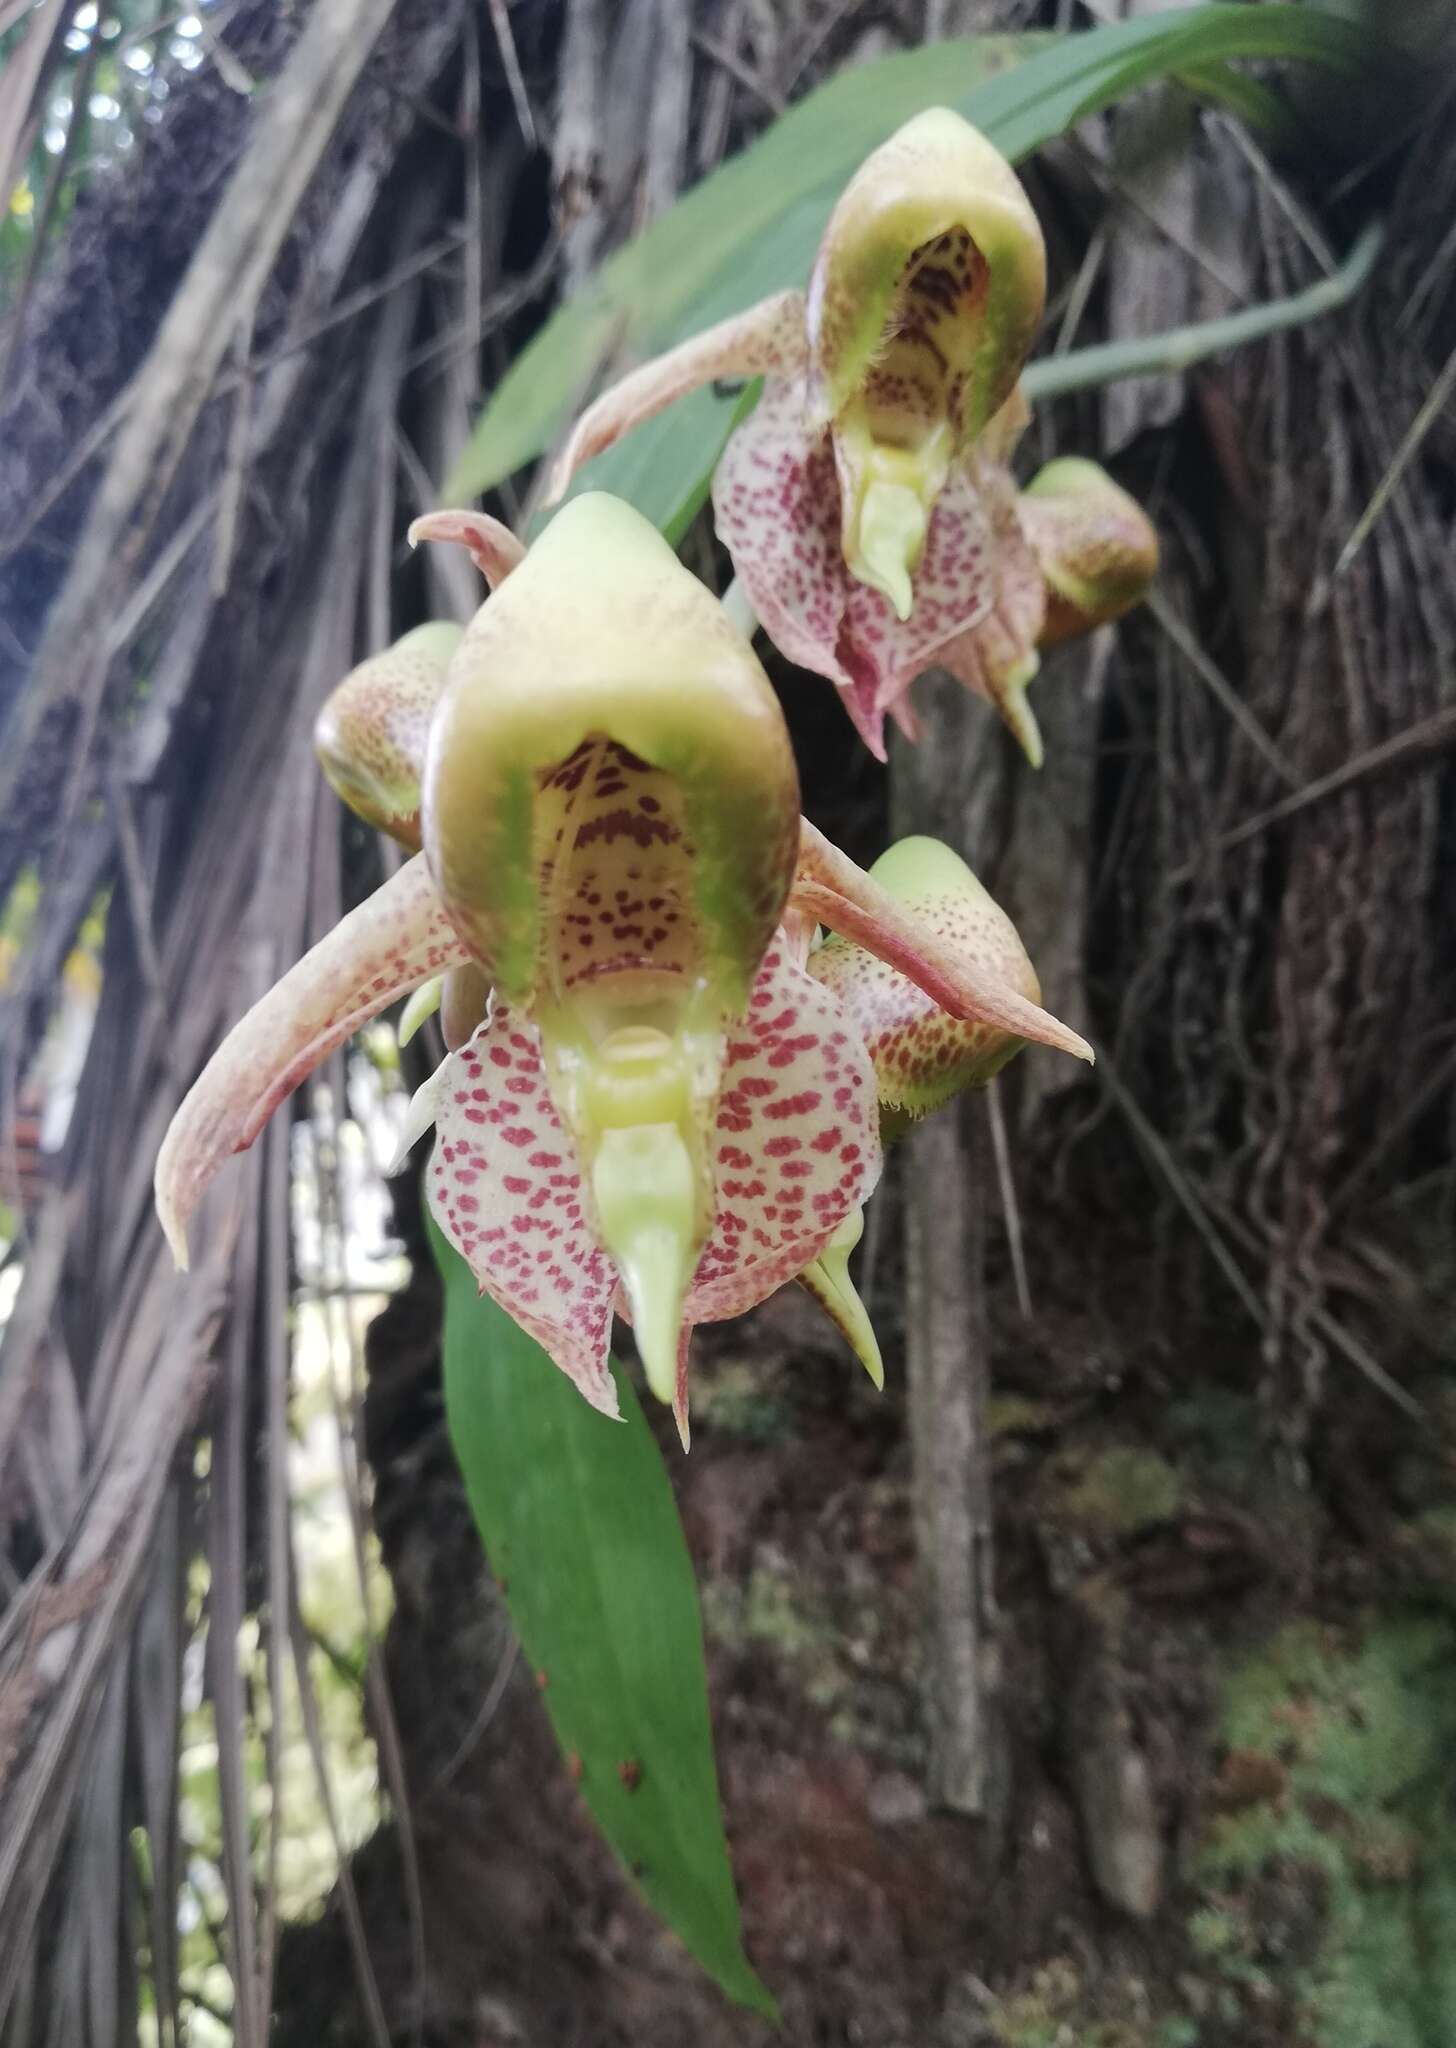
1279	995
190	797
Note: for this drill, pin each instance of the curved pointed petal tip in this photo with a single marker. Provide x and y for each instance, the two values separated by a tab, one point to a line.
492	547
419	1117
421	1006
831	888
680	1392
828	1281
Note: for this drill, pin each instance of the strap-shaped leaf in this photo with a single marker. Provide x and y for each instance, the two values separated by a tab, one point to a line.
752	226
580	1525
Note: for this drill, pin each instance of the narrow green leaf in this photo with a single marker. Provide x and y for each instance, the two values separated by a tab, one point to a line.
752	227
580	1526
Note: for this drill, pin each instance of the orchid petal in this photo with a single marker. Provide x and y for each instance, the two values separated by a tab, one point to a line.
797	1141
922	1056
826	1279
1096	547
370	735
382	950
776	501
996	656
504	1189
795	1151
975	978
767	340
492	547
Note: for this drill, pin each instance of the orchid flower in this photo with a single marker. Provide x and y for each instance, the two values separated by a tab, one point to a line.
650	1105
922	1055
867	501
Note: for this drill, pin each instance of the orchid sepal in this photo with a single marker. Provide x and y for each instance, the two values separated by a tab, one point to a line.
827	1280
856	905
936	197
378	953
925	294
601	637
767	340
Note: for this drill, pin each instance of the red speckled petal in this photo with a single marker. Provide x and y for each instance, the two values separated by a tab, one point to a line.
378	953
797	1140
921	1055
776	497
504	1188
768	339
997	656
617	865
796	1149
969	985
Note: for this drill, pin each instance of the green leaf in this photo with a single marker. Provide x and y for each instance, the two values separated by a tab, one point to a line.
580	1525
752	227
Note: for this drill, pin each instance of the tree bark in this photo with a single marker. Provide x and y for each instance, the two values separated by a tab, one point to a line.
941	787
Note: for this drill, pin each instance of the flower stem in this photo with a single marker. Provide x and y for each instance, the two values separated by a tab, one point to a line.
1181	347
